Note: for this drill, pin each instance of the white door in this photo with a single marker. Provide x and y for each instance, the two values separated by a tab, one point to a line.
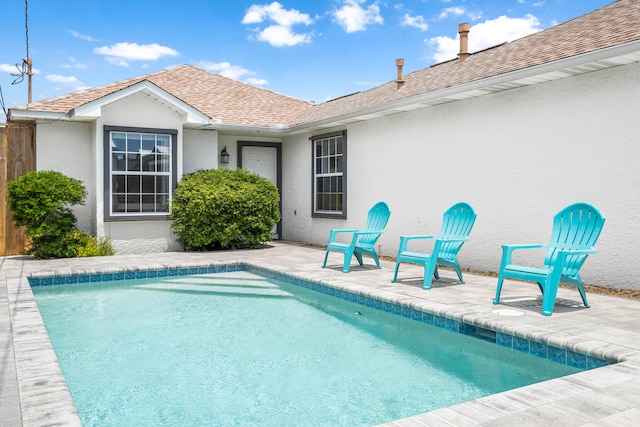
263	162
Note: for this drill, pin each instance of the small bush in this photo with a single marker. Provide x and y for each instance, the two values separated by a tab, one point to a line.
95	247
41	202
224	208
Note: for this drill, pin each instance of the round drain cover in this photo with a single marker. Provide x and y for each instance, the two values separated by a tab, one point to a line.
507	312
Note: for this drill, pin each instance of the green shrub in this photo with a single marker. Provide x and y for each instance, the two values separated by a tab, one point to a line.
41	202
95	247
224	208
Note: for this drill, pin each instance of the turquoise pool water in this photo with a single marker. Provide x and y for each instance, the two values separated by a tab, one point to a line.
237	349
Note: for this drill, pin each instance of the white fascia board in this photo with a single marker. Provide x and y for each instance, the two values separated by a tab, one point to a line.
17	115
276	130
524	77
93	109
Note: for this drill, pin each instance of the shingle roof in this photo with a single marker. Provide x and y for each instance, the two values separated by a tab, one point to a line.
237	103
612	25
216	96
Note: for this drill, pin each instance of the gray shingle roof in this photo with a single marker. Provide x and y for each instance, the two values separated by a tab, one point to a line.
612	25
237	103
216	96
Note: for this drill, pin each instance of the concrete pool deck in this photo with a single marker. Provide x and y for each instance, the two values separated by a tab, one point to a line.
33	391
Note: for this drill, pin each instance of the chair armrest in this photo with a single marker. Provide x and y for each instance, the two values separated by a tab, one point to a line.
334	232
360	232
507	251
404	241
525	246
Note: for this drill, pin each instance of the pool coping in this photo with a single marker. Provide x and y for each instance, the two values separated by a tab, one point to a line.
45	399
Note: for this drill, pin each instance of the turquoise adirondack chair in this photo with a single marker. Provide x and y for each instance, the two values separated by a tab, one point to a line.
575	231
457	223
362	241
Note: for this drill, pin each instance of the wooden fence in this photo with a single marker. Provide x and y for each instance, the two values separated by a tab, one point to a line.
17	157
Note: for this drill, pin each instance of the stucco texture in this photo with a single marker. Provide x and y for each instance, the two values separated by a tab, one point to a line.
518	157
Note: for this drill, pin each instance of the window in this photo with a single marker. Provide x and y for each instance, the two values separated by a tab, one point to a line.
329	175
140	172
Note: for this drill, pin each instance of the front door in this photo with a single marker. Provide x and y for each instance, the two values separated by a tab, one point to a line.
263	159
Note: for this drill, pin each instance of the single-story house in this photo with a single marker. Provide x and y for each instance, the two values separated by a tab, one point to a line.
519	130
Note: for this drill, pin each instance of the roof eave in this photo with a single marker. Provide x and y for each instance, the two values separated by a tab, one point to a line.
93	109
17	115
193	116
275	130
579	64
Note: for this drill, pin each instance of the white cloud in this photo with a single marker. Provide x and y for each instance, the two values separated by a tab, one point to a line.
9	68
353	17
281	32
225	69
66	82
13	69
82	36
414	21
257	82
454	10
486	34
121	53
73	63
278	35
275	12
475	16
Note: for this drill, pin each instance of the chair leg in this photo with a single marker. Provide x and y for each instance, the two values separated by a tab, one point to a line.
395	273
435	273
430	270
375	258
326	255
359	258
347	261
498	290
459	271
583	293
549	298
428	276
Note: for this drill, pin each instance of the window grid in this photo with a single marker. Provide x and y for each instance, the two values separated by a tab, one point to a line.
140	167
328	175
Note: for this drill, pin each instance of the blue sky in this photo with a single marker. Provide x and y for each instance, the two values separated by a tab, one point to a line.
312	50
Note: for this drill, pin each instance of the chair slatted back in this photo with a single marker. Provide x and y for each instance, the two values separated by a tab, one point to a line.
377	219
577	226
457	222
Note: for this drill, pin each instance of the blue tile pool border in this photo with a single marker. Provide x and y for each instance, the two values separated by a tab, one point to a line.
534	348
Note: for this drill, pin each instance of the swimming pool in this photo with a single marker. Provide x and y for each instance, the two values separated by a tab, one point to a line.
290	365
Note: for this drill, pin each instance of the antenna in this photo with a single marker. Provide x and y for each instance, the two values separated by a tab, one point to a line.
27	64
27	60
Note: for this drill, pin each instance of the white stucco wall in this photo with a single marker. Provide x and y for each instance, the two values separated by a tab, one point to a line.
518	157
200	150
66	147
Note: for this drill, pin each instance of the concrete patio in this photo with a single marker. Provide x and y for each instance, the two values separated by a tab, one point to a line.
33	391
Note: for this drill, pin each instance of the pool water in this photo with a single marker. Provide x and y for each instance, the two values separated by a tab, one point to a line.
237	349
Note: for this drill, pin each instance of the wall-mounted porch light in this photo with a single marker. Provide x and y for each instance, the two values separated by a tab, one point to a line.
224	155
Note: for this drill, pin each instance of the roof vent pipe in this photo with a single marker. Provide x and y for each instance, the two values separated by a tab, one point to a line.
400	80
463	30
